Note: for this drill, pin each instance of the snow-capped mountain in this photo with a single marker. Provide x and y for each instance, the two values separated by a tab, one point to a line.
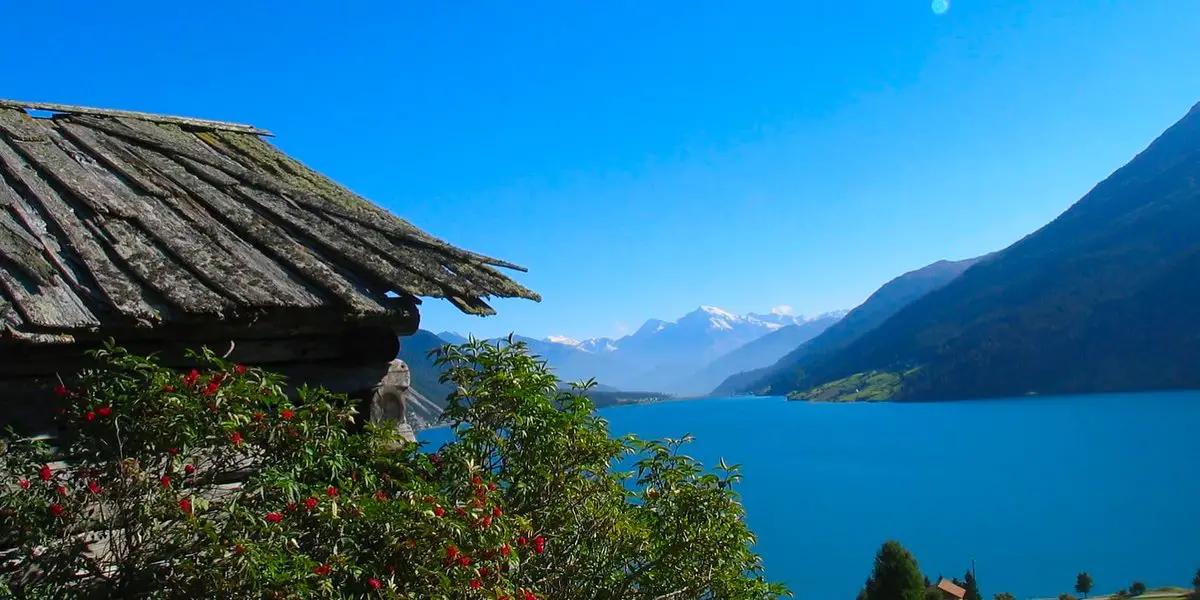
660	354
663	356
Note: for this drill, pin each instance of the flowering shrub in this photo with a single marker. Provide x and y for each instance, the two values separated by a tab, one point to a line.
214	484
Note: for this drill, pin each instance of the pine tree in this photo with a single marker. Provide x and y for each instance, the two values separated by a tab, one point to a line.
969	584
895	576
1083	583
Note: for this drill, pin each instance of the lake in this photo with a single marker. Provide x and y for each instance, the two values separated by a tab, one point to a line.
1033	489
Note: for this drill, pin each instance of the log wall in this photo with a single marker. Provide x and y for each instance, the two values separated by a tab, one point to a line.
358	362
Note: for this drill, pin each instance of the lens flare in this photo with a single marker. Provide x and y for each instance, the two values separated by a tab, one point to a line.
940	6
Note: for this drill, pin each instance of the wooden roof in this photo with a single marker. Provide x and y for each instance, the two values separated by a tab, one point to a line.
951	588
112	219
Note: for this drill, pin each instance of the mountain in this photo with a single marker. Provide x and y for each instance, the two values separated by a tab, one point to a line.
1102	299
877	308
414	351
661	356
426	404
765	350
451	337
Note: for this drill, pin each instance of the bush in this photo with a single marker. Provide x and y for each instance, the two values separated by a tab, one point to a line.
1137	588
523	504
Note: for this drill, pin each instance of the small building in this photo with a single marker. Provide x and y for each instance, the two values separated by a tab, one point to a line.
950	590
170	233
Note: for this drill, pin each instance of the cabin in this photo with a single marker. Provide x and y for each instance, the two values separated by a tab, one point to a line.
170	233
950	590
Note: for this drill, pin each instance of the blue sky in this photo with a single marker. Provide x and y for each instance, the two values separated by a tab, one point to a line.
642	158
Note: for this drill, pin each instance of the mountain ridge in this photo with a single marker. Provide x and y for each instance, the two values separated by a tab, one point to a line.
877	308
1074	307
660	355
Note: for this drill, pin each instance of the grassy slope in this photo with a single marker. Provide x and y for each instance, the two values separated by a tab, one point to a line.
885	302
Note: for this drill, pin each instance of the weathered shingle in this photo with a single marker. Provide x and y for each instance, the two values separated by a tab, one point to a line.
116	218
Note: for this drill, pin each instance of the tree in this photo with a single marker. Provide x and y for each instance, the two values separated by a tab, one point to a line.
523	503
1004	596
1137	588
1083	584
969	584
895	575
1196	581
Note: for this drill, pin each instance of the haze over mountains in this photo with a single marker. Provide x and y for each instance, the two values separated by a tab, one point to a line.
685	356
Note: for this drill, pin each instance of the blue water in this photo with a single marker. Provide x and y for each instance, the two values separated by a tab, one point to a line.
1033	489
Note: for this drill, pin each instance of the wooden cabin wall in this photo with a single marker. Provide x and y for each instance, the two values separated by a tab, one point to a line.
357	362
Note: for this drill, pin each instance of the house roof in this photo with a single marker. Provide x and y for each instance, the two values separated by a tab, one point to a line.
951	588
113	219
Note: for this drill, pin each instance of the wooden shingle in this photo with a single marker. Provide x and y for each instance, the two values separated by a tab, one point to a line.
114	221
